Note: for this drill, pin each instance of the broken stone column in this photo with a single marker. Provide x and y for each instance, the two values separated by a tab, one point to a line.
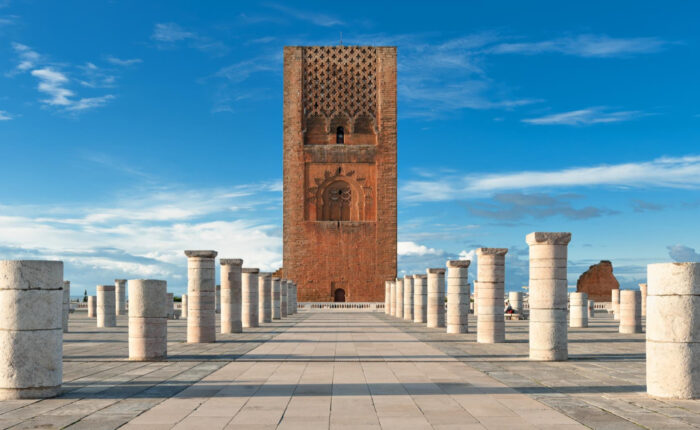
120	293
420	299
66	305
616	303
201	280
148	326
578	310
408	298
231	298
490	323
387	298
548	295
183	306
392	286
91	305
436	298
249	296
630	311
673	333
591	308
264	298
643	289
284	297
399	298
276	311
217	299
458	293
106	306
515	298
31	329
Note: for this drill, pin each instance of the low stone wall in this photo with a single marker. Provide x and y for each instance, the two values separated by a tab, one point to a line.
341	306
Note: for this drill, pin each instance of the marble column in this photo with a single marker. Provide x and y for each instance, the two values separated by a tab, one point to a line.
91	305
66	305
591	309
630	311
578	310
515	298
231	298
217	299
201	280
387	297
673	330
249	295
408	298
31	329
149	305
399	298
120	294
616	303
183	307
392	287
264	297
284	297
490	323
458	294
436	297
170	305
106	306
548	295
643	289
276	311
420	299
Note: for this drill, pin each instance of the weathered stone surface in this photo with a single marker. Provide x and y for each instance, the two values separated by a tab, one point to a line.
249	297
91	306
264	298
436	298
231	295
149	306
201	279
392	292
399	298
420	299
630	311
120	293
578	310
490	327
183	306
106	306
66	305
387	297
458	294
598	282
615	301
276	311
284	297
408	298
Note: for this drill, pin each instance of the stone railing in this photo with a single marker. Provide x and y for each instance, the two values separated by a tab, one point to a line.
341	306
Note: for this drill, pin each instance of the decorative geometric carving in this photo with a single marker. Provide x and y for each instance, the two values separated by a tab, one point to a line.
340	81
335	199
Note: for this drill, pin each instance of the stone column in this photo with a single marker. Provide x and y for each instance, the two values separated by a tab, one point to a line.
231	298
673	336
201	280
548	290
392	286
31	329
183	306
399	298
120	293
91	305
66	305
616	304
290	297
249	295
420	299
643	289
578	310
284	291
458	294
630	311
436	298
515	298
106	306
264	298
408	298
276	311
490	323
591	308
476	298
387	297
170	305
148	325
294	298
217	299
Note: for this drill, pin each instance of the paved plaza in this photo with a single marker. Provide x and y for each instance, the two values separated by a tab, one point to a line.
351	370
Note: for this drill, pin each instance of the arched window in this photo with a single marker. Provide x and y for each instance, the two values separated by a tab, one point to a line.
340	135
337	200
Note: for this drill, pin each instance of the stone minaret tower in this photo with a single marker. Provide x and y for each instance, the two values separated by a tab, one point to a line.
340	171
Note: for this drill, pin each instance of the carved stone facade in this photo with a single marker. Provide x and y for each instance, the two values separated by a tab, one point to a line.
340	171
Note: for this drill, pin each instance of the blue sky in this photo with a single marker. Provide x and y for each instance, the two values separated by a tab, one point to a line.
131	131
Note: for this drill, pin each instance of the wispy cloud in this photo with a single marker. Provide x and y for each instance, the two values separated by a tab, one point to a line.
316	18
4	116
667	172
589	116
518	206
28	58
683	254
123	62
168	35
585	45
644	206
171	32
412	248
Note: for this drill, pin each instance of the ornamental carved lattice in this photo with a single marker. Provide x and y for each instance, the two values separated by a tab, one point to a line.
340	81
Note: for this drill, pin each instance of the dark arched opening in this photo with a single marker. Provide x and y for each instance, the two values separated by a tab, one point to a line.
340	135
339	295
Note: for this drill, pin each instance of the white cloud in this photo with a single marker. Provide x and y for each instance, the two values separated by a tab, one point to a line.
468	255
589	116
28	58
667	172
412	248
4	116
123	62
316	18
52	83
170	32
585	45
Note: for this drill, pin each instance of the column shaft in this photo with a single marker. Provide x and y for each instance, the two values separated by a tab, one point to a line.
148	325
458	293
264	298
91	305
201	280
120	294
490	323
231	295
106	306
630	311
578	310
276	311
249	294
399	298
436	298
66	305
420	299
408	298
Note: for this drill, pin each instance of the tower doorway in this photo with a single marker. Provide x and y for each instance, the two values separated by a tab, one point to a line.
339	295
